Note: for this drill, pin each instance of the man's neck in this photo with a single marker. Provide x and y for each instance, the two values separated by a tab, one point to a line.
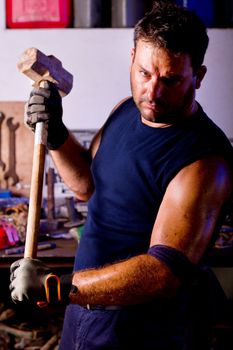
154	124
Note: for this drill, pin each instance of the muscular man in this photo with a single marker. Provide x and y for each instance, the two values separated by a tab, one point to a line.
158	177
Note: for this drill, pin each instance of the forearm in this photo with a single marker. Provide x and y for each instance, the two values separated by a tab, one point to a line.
136	280
73	164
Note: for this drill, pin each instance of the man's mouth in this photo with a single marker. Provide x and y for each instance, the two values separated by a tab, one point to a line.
154	106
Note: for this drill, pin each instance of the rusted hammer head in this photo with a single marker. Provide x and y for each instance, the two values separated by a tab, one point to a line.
39	67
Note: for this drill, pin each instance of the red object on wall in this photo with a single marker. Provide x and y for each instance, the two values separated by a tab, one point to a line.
4	242
38	13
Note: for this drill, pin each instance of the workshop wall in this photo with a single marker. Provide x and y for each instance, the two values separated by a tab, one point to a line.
99	59
16	142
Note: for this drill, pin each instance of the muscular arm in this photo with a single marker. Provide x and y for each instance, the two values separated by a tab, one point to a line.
132	281
185	221
192	205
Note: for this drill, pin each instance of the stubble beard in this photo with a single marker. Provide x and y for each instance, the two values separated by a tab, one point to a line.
164	114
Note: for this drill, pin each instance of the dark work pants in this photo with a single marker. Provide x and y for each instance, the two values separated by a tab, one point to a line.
126	329
183	323
180	324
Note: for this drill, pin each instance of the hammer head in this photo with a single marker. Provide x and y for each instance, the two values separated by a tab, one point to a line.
39	67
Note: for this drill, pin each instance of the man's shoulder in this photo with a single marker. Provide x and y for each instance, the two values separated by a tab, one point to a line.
122	102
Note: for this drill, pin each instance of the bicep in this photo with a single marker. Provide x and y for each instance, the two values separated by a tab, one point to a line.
191	207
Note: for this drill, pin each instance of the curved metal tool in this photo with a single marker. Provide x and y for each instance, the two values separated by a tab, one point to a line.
2	164
11	172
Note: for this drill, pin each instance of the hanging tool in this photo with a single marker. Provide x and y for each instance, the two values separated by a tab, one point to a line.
11	172
2	164
75	218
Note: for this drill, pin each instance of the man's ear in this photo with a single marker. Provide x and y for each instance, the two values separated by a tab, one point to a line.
200	75
133	50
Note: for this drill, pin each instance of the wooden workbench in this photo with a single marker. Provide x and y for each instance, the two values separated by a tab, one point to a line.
61	256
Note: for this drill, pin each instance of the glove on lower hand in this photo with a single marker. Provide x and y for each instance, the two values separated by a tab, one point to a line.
45	105
28	281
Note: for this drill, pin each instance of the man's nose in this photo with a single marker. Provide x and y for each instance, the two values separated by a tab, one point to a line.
153	89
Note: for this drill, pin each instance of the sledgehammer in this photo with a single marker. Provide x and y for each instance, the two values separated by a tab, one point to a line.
39	67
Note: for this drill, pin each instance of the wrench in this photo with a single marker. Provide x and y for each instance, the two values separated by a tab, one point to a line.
2	164
11	173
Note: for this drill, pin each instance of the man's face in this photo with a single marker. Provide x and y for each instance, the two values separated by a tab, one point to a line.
163	84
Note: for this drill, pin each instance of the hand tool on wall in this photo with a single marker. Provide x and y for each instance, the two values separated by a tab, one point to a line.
51	223
2	164
50	194
39	67
75	218
11	172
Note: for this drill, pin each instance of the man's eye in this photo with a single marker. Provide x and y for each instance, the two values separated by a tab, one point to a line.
169	81
144	73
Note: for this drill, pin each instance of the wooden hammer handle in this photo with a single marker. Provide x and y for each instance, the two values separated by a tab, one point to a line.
36	191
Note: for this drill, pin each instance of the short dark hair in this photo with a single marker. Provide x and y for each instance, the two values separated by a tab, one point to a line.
175	29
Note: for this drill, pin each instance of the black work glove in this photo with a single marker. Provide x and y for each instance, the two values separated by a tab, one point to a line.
45	105
28	282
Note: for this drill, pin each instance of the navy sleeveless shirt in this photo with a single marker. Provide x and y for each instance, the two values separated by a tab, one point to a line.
132	169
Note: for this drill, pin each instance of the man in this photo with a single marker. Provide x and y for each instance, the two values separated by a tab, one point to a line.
158	177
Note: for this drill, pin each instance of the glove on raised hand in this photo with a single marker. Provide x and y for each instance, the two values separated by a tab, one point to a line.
28	281
45	105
